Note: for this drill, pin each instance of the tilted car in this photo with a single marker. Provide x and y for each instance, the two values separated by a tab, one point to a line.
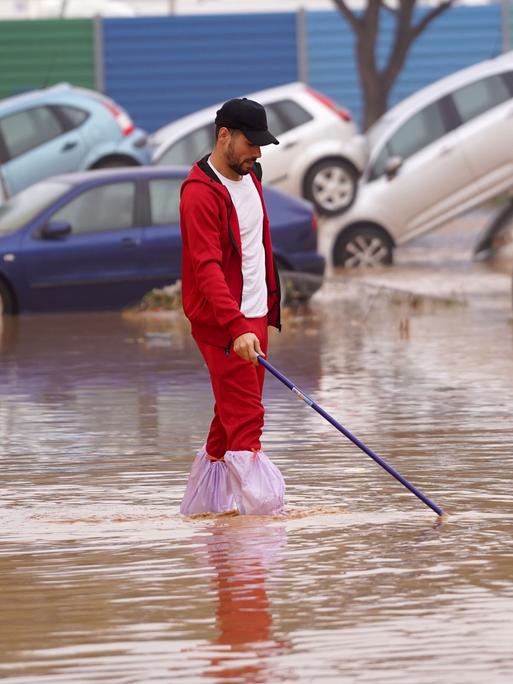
440	152
103	239
320	155
64	129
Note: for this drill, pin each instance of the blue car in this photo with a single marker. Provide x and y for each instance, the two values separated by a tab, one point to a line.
103	239
64	129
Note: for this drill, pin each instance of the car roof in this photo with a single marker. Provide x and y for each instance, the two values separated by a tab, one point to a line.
121	173
206	114
16	102
438	89
147	172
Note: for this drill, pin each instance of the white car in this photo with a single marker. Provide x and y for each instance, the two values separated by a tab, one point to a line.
320	155
438	153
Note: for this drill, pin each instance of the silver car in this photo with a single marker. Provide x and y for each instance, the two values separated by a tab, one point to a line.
438	153
320	156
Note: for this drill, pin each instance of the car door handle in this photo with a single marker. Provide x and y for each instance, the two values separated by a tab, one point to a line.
130	242
290	144
69	146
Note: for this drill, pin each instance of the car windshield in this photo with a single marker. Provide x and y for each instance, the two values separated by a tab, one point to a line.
22	207
375	132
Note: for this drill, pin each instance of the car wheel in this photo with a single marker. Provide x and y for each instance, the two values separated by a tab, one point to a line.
113	163
363	246
6	300
331	185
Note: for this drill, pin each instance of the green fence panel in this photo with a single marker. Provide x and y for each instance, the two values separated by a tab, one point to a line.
35	54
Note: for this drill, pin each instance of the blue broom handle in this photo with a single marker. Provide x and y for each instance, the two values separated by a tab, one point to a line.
349	435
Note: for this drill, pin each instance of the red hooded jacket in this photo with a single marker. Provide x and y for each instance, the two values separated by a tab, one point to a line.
212	260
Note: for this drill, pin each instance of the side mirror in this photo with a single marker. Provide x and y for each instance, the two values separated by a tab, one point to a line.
392	166
54	230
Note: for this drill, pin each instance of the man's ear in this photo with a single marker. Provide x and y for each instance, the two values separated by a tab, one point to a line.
224	133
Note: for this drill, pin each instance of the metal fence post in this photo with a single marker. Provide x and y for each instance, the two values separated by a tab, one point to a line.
506	25
302	45
99	66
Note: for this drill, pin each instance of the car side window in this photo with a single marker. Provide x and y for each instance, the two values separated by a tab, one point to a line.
507	77
477	98
422	129
190	148
74	115
292	114
165	200
103	208
26	130
285	115
275	122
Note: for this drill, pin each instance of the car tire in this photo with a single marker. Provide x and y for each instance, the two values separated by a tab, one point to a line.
363	246
6	300
331	186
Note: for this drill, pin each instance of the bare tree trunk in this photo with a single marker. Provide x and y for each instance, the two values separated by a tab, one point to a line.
376	84
375	103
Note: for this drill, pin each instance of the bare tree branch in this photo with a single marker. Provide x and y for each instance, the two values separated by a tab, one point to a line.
406	33
64	7
401	43
346	12
429	16
370	18
388	8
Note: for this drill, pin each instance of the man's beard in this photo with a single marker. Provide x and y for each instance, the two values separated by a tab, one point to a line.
239	169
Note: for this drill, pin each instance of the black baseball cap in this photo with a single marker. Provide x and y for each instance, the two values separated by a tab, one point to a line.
247	116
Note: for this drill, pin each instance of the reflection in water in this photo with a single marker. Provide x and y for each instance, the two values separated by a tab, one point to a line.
243	552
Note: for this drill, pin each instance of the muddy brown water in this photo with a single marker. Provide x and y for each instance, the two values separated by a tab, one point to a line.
101	579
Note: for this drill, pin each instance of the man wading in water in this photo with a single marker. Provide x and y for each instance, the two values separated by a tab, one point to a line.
230	293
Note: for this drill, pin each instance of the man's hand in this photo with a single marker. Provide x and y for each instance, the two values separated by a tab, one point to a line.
247	346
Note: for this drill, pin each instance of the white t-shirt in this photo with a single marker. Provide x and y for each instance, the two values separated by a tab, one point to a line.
248	206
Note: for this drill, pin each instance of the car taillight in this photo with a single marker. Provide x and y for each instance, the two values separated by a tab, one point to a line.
122	119
327	102
315	223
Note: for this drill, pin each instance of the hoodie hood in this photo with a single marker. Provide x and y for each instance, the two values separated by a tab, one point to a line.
202	172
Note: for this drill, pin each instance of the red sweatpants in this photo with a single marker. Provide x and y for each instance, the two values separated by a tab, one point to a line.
237	385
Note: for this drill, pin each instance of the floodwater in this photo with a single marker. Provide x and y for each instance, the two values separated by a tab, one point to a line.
101	579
